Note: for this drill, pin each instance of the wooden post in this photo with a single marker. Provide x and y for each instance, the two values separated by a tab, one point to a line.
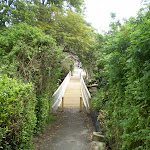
80	104
62	103
89	105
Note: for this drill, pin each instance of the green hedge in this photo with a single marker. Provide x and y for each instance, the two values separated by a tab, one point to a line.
28	53
17	114
125	55
42	112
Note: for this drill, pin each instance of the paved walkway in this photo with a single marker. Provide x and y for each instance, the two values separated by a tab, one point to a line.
72	131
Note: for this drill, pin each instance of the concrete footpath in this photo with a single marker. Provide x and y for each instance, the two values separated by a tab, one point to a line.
72	131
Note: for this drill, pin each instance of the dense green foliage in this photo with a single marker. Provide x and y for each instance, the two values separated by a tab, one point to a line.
35	38
17	113
124	82
26	52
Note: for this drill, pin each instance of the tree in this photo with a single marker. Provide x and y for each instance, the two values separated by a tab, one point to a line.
124	64
29	54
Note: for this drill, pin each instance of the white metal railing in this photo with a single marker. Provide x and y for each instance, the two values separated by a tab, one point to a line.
58	95
86	96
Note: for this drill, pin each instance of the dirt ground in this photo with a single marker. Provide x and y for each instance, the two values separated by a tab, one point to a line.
72	131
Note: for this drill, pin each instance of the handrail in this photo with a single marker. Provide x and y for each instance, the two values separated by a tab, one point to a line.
57	96
86	96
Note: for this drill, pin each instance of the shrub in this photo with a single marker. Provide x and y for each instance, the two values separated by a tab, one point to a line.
127	71
17	113
42	112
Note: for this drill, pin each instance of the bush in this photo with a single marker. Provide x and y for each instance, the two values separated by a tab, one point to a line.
126	57
17	114
42	112
27	52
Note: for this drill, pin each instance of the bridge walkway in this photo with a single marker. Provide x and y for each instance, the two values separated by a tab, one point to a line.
73	93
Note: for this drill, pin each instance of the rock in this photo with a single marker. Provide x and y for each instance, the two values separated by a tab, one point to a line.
98	137
99	145
96	147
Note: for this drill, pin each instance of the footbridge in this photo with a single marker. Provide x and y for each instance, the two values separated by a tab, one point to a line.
72	93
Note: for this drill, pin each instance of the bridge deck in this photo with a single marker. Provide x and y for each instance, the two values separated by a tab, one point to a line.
73	93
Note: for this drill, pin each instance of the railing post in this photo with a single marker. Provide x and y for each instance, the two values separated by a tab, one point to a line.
80	104
62	103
